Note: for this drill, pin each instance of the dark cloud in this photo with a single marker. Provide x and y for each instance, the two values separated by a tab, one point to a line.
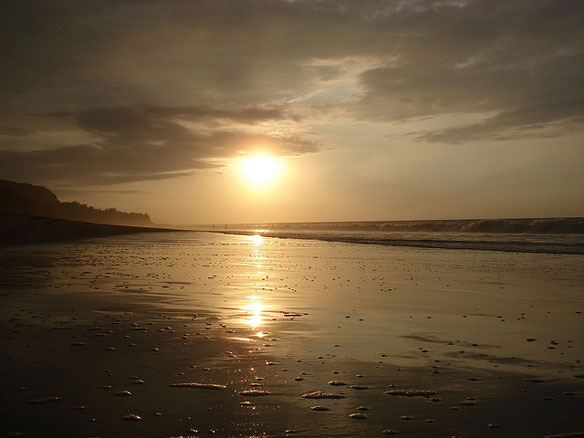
544	121
125	77
519	63
125	117
148	143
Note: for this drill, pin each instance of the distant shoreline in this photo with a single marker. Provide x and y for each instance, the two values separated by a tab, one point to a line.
18	229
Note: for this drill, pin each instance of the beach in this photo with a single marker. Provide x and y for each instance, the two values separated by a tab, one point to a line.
18	229
205	334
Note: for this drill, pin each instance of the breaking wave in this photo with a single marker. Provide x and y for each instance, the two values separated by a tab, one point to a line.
553	235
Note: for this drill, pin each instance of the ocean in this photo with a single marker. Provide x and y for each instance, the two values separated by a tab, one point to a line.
551	235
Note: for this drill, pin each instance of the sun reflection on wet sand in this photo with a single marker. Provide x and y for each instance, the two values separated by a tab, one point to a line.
258	257
254	312
254	316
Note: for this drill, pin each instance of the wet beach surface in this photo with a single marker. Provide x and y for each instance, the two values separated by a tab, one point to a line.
198	334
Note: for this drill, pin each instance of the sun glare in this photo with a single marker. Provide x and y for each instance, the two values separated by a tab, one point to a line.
260	170
254	312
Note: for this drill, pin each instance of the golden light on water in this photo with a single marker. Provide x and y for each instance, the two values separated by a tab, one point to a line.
254	317
260	170
258	254
256	240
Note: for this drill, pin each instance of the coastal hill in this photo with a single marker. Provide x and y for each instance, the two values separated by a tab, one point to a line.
30	200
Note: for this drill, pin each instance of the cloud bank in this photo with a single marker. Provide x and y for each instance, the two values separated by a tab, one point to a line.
120	91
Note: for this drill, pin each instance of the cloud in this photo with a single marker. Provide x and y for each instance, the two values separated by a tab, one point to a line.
544	121
521	61
151	142
128	91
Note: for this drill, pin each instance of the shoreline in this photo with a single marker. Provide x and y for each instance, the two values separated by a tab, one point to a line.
18	229
524	245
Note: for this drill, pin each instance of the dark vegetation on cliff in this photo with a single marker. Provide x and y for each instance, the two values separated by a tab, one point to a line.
27	199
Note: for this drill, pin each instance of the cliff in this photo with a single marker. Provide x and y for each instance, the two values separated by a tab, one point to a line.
27	199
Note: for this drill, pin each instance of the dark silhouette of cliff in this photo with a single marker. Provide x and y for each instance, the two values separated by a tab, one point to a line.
26	199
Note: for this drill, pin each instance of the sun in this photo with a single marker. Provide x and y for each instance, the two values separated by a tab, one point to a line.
260	170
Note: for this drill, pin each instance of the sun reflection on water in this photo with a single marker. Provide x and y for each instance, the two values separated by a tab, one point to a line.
254	317
254	307
256	239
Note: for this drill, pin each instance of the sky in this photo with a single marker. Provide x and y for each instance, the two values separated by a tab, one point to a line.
372	109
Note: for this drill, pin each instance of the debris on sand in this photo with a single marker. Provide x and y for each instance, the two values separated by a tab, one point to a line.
358	416
254	393
567	435
321	395
196	385
43	400
468	403
534	380
410	393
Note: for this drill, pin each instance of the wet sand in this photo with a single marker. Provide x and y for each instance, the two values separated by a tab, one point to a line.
182	334
18	229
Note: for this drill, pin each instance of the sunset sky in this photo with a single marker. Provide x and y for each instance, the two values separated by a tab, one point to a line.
373	110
